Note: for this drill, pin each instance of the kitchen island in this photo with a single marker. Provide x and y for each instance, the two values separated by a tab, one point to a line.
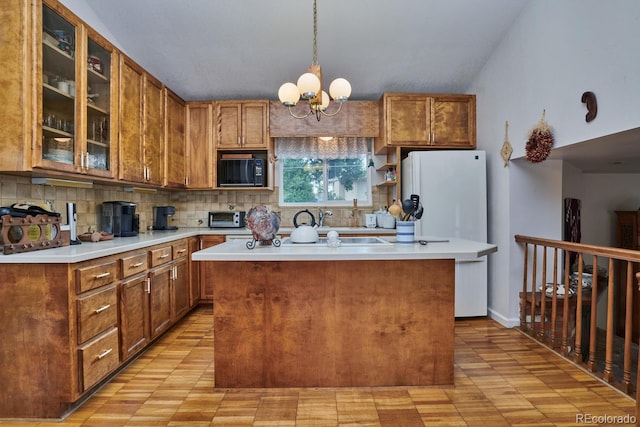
309	315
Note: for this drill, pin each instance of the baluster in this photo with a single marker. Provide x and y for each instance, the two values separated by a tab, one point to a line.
533	290
554	297
591	365
543	297
564	344
627	387
523	296
608	360
578	336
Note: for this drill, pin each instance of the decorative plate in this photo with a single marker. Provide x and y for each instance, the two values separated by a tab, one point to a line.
263	223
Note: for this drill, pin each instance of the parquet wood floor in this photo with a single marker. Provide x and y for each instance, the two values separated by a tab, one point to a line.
502	378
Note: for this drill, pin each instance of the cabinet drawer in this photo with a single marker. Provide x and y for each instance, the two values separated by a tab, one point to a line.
98	358
96	313
161	256
94	276
133	264
180	249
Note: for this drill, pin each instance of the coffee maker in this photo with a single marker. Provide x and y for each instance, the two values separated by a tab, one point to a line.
120	219
161	216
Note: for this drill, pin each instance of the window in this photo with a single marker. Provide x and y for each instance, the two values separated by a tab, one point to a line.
327	173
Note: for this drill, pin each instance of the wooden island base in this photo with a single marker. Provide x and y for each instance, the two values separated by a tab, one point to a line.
333	323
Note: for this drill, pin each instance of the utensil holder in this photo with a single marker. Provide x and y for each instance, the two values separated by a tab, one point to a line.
405	231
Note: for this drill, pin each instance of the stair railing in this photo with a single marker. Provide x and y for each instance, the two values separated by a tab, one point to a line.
569	325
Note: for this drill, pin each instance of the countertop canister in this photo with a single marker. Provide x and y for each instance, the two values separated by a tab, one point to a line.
405	231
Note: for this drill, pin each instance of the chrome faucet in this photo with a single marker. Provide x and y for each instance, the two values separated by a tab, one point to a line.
321	215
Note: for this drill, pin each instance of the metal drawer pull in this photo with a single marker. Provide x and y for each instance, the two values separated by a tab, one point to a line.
104	354
136	265
100	276
182	250
103	308
163	256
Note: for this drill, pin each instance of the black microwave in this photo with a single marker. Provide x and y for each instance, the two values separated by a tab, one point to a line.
241	173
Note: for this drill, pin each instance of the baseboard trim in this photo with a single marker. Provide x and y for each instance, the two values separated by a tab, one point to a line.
504	321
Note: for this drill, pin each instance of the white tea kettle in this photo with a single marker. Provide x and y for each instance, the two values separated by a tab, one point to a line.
303	233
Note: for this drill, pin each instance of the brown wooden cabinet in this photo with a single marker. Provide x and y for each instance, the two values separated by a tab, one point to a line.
427	121
160	299
200	168
97	322
175	139
153	131
17	113
141	125
180	279
241	125
52	99
131	146
194	272
356	118
134	315
628	237
206	279
84	320
180	292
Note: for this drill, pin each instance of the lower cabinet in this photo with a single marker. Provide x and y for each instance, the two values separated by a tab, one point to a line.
194	273
181	290
134	316
68	327
206	281
98	358
160	299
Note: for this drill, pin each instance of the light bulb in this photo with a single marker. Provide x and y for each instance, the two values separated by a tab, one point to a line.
288	94
308	85
340	89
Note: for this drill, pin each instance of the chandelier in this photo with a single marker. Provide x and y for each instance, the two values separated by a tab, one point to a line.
309	86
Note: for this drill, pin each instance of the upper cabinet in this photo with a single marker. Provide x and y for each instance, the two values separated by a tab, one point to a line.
141	125
153	131
427	121
200	166
17	81
241	125
75	101
100	89
131	145
175	129
356	118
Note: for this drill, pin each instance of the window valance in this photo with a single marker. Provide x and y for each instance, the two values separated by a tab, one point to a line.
318	148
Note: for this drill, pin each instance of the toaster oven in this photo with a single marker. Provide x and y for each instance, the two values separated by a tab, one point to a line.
228	219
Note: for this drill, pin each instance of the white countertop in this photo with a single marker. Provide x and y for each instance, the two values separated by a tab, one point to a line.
236	250
90	250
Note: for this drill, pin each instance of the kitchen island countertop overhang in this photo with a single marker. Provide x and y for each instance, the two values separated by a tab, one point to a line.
436	248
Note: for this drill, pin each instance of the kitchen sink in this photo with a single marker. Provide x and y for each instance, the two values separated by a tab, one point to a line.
350	241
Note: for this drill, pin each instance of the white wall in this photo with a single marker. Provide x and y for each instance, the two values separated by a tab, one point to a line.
554	52
82	10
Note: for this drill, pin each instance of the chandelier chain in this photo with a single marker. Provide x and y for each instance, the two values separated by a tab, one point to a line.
315	34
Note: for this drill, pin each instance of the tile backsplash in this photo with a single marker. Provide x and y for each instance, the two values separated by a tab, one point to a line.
192	207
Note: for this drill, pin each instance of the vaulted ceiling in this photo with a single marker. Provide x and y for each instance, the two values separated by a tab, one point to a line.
239	49
245	49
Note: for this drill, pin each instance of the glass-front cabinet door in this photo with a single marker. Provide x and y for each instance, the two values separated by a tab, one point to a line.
99	84
77	96
59	78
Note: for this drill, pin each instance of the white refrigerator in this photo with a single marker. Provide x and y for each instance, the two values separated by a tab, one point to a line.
452	186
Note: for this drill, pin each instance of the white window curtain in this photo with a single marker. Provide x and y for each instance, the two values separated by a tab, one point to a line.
317	148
